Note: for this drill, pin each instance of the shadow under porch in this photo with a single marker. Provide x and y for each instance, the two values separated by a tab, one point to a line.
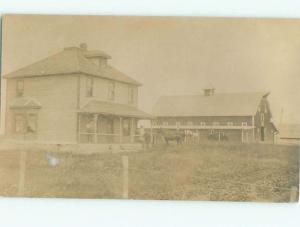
104	129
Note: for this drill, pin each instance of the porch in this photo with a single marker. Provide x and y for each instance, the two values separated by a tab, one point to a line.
109	123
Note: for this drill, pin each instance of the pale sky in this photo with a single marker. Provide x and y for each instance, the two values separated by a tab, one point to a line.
178	55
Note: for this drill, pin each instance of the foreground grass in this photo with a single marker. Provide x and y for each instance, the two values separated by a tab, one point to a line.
253	172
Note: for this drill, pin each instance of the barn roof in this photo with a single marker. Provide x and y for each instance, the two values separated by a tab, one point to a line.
116	109
72	60
227	104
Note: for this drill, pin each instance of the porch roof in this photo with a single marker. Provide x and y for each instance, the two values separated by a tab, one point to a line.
115	109
25	102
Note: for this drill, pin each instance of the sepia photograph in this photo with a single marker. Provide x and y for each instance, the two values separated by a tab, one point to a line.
150	108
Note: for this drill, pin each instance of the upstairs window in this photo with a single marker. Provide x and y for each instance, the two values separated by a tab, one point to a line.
111	91
130	94
89	86
20	88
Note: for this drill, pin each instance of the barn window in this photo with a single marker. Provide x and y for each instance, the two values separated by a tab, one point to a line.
244	123
229	123
111	91
20	88
89	86
202	123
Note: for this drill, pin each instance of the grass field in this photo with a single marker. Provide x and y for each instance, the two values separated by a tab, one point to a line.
249	172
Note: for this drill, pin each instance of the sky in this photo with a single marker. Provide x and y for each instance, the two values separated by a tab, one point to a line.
173	55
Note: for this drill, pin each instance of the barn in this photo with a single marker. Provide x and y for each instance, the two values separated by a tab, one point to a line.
239	117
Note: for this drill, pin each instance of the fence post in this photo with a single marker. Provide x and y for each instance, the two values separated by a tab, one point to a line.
294	194
22	170
125	176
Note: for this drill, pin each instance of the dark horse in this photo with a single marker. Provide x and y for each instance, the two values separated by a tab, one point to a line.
171	135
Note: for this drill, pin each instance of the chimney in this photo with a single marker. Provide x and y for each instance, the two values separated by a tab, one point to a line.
83	46
209	90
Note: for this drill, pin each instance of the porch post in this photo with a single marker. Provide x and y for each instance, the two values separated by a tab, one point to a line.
132	130
95	128
78	128
121	130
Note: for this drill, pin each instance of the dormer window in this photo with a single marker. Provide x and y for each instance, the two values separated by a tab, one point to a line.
20	88
111	91
89	86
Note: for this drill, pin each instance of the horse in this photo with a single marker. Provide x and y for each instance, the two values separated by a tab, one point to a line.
171	135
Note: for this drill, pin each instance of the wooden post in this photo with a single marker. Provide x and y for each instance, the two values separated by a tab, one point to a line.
22	171
253	131
121	131
125	177
242	135
151	133
95	128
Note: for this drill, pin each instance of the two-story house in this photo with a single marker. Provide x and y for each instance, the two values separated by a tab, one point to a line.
74	96
244	117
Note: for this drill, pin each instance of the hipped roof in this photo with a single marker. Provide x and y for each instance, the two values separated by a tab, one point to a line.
72	60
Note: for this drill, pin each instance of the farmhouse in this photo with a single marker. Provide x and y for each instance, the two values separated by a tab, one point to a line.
244	117
74	96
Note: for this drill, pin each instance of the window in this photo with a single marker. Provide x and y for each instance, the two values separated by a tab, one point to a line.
111	91
130	94
215	123
202	123
26	124
244	123
229	123
19	124
32	123
89	87
20	88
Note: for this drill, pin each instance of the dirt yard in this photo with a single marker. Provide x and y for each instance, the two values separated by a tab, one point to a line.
253	172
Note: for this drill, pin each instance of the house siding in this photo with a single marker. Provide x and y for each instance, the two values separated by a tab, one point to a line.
101	88
57	118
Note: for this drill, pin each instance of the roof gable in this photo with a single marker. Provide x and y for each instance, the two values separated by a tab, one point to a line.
71	60
227	104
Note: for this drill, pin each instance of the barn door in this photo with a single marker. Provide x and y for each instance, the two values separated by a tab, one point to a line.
262	134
